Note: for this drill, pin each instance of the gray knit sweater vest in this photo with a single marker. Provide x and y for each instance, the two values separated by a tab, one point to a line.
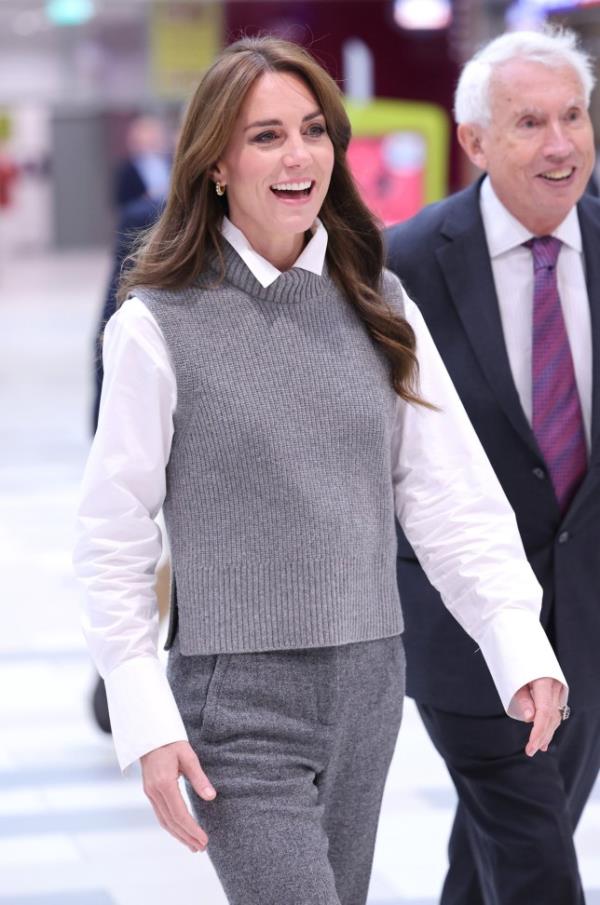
279	503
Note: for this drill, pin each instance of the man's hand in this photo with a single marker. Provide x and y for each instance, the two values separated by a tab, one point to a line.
161	770
540	704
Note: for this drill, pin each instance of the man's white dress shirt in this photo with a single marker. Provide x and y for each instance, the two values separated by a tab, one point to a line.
446	496
512	266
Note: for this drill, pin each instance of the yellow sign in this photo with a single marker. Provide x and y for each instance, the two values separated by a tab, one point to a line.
5	129
184	40
399	155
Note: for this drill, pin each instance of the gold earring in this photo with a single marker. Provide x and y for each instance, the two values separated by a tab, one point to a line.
220	189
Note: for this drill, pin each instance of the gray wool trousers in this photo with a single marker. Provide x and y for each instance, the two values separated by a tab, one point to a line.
297	744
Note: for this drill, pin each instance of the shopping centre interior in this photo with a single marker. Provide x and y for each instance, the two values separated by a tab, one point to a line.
73	77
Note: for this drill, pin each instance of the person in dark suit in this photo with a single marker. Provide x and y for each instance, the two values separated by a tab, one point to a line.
507	276
146	170
135	217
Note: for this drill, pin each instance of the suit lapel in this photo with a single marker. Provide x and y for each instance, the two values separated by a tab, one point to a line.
465	263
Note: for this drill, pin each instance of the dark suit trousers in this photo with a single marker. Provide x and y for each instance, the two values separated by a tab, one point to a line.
512	839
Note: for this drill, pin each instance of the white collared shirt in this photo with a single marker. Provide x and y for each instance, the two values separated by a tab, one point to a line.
447	499
311	258
514	280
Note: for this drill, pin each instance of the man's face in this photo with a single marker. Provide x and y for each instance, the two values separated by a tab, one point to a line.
539	148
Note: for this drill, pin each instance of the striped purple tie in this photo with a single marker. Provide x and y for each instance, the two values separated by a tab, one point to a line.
557	421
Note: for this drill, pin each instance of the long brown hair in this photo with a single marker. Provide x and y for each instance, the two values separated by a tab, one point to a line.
175	251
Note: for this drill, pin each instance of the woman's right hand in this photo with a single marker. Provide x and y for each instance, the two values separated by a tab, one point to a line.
161	769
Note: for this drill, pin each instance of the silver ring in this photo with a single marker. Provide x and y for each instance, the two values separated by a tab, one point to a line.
565	712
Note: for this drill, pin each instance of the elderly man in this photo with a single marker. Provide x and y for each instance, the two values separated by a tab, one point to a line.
507	275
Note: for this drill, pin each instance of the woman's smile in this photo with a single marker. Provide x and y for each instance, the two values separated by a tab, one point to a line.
294	192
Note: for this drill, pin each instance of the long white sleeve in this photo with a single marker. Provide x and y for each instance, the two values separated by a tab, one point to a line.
463	531
119	542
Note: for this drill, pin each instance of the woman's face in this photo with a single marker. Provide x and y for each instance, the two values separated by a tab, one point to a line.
277	166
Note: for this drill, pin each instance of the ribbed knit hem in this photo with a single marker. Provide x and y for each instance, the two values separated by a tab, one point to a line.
281	606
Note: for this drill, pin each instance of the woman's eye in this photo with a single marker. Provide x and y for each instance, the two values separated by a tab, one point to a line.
316	130
264	137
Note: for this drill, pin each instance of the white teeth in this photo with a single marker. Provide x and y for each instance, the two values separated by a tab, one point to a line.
292	186
558	174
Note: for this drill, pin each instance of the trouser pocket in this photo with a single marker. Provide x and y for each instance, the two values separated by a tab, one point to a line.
195	682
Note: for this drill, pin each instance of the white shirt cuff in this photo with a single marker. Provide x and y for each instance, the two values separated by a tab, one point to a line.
517	651
143	712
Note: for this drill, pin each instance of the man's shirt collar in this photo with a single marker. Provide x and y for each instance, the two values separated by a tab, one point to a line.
504	232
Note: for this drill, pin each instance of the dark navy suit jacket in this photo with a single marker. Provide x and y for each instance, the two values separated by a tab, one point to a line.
442	259
129	185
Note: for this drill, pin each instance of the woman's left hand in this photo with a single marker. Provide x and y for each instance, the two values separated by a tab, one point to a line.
539	703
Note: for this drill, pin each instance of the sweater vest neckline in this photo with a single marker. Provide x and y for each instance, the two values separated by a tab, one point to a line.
292	286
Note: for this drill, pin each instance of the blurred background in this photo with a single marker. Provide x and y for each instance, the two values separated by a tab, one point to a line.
91	94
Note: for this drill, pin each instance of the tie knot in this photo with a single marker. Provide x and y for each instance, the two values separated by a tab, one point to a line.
545	251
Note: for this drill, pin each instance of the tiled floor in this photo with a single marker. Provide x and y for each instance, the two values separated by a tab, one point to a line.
72	830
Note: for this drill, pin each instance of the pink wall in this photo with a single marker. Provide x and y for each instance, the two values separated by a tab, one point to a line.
408	65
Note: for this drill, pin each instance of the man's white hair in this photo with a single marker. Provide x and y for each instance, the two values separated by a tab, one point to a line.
554	47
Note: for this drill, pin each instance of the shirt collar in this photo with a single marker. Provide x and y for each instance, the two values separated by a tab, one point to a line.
312	257
504	232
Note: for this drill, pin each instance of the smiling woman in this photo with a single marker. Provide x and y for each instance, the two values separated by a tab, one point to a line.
277	167
261	386
266	113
